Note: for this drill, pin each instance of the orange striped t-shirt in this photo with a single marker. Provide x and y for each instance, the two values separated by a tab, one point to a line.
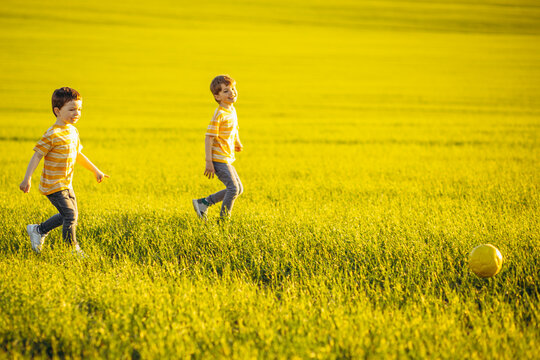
224	128
59	146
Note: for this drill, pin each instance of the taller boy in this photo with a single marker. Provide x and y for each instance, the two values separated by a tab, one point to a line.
61	147
221	142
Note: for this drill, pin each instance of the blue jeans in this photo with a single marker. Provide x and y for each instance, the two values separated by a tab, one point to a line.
227	174
66	204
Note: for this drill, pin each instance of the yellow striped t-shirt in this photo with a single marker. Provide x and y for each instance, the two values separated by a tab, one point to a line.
59	146
224	128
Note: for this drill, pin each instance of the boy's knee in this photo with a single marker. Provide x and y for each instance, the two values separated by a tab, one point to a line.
71	217
235	190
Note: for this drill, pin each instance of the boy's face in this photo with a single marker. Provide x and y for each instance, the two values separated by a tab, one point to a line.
70	113
227	95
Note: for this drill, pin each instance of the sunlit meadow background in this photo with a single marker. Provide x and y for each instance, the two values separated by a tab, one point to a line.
383	141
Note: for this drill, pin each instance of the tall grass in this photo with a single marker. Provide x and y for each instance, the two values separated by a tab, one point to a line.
383	141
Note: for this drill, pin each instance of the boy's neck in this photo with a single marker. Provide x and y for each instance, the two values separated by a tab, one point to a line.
60	122
227	106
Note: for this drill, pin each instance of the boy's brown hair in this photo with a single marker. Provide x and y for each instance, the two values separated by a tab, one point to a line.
215	85
63	95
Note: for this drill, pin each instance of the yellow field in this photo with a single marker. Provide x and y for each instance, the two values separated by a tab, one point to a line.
383	140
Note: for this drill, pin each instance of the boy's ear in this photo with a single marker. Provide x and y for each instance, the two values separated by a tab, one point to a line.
56	110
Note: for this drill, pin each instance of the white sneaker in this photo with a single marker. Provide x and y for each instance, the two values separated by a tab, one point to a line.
36	239
78	252
200	206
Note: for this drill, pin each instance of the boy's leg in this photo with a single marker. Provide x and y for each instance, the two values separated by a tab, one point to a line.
220	195
52	223
238	181
201	205
72	231
38	232
217	197
233	187
66	203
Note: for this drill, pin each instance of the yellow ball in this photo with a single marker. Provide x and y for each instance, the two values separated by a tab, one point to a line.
485	260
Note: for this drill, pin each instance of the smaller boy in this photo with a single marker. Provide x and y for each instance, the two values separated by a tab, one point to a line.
61	148
221	142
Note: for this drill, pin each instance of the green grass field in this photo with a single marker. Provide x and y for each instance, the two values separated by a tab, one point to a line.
383	141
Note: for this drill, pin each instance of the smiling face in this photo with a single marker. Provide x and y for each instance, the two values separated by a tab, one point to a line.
70	113
227	95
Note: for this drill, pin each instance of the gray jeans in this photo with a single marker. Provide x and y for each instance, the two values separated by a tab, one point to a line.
233	187
67	216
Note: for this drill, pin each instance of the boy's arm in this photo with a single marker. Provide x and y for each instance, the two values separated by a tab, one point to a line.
34	162
87	164
209	169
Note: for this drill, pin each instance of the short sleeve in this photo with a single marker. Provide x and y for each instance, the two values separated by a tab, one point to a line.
213	127
44	145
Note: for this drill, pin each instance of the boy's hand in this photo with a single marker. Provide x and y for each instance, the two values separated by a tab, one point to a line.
25	186
209	170
100	176
238	147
